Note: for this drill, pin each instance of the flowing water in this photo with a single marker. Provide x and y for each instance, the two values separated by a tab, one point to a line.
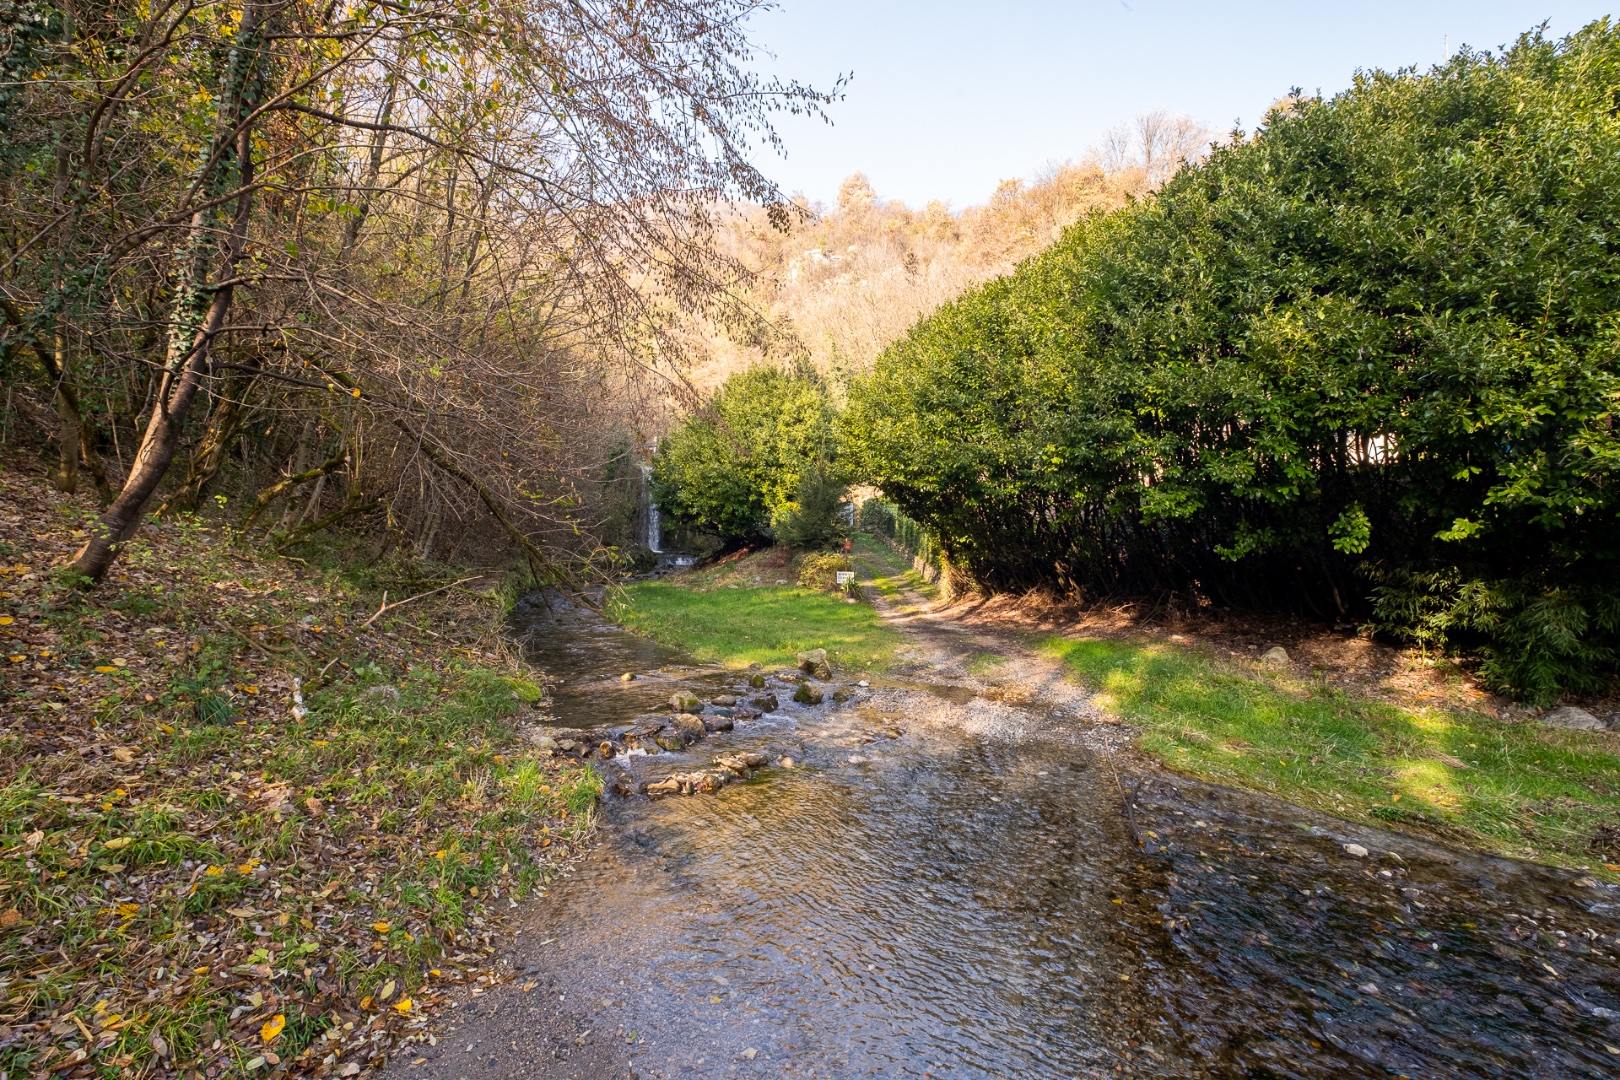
949	885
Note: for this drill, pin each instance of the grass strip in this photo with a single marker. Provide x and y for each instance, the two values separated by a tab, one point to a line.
765	624
1517	789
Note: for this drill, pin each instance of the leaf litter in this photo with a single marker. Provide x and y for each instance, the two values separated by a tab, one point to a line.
214	860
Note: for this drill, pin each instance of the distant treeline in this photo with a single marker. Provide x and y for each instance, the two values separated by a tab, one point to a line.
1362	364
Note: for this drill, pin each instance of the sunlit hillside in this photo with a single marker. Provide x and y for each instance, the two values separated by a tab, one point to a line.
845	280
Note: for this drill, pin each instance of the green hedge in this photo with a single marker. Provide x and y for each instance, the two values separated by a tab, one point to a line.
1362	364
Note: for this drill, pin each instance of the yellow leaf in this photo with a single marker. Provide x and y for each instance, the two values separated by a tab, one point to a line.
106	669
5	620
402	1006
272	1028
355	392
117	843
381	927
16	659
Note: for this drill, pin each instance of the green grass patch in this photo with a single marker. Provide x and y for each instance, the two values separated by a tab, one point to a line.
1517	789
765	625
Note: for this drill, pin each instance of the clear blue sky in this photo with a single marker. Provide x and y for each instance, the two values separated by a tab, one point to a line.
949	96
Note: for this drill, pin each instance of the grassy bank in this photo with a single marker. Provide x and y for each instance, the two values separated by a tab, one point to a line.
209	867
738	614
1518	789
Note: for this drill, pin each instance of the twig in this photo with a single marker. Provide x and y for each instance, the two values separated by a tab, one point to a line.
386	606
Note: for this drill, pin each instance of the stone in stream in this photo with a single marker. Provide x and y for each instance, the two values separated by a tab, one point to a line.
698	783
670	740
724	700
718	723
807	694
842	694
767	703
757	681
682	702
814	662
741	763
1575	719
688	726
628	676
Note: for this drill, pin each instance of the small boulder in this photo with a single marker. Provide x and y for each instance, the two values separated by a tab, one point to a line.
628	676
842	694
682	702
1355	851
813	662
669	740
670	785
1572	718
1276	655
688	726
757	681
786	763
767	703
718	723
725	701
741	764
807	694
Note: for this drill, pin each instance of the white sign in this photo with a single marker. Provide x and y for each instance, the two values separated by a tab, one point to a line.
845	576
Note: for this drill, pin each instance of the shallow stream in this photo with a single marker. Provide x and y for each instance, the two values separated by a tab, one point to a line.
948	885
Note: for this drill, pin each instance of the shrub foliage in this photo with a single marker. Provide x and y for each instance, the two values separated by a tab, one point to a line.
742	461
1362	363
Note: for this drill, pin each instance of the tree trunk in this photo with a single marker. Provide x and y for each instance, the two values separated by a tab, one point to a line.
199	308
205	461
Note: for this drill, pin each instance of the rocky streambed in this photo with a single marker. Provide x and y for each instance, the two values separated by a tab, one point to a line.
958	878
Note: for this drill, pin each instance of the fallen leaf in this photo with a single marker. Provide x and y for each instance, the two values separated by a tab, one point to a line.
9	918
387	990
241	912
272	1028
118	843
1552	969
403	1006
381	927
106	669
351	1069
111	868
159	1047
119	661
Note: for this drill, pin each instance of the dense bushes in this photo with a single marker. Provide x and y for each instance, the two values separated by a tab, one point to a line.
1362	364
749	459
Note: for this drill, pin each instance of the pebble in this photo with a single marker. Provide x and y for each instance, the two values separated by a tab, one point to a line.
1355	850
786	763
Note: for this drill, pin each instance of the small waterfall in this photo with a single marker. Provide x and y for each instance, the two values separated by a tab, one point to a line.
655	524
